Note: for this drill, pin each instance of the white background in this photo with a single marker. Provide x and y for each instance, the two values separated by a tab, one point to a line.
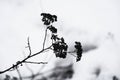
93	22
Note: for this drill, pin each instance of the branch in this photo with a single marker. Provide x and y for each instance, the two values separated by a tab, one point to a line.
20	77
71	53
24	60
35	62
29	47
32	73
48	72
29	56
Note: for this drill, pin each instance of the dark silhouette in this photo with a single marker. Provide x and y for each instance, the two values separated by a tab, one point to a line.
115	78
79	50
58	45
48	18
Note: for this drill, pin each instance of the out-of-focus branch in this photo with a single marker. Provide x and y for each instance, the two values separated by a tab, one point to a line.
20	77
60	70
32	73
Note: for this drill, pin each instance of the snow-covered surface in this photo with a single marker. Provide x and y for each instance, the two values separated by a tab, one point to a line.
92	22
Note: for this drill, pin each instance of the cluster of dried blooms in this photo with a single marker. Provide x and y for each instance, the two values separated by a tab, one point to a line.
60	47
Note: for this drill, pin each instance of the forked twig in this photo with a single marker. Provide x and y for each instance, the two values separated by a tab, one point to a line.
29	56
24	60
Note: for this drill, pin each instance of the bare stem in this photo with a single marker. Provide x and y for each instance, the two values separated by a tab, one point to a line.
29	46
45	38
20	77
35	62
71	53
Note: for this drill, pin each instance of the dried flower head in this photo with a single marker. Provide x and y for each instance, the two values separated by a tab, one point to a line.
79	50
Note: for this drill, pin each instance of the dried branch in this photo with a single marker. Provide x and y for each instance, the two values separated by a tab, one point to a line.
36	62
24	60
29	47
29	56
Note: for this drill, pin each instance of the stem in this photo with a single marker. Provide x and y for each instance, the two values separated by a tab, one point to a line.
45	38
35	62
19	73
29	46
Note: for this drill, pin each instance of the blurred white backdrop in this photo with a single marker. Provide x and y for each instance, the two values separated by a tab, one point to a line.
92	22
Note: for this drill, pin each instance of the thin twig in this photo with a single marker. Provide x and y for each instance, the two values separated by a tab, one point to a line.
20	77
29	47
36	62
35	75
32	73
45	38
46	72
40	74
71	53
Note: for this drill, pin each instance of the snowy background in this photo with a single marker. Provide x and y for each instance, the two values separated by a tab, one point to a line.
95	23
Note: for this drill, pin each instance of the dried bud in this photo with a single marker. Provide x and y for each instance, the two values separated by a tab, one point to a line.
48	18
79	50
60	48
52	29
62	40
